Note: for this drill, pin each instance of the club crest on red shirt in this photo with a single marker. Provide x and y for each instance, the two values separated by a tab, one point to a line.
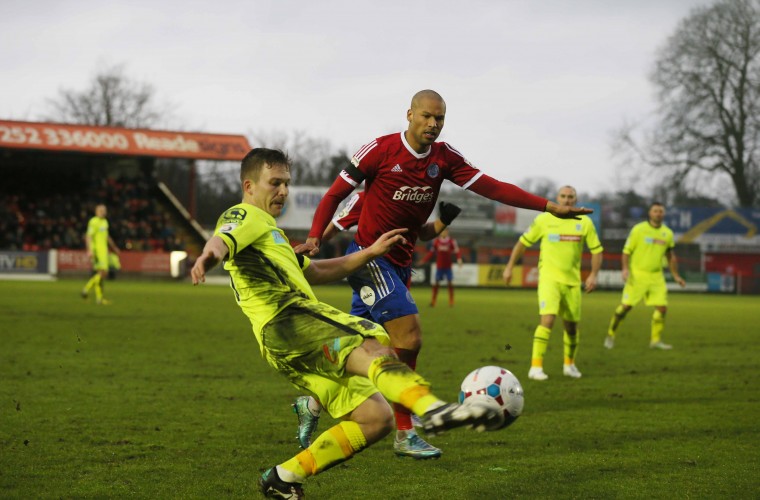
433	170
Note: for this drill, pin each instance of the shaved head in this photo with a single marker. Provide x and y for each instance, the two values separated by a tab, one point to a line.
567	196
425	117
426	94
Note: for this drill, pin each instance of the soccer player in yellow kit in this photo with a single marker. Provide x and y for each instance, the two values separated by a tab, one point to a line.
345	361
647	244
98	242
559	278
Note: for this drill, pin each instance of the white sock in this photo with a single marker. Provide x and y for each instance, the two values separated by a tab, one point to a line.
314	407
288	476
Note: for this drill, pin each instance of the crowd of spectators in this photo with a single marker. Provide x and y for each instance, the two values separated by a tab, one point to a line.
41	222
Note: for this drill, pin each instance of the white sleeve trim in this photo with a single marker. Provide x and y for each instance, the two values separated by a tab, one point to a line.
471	181
344	175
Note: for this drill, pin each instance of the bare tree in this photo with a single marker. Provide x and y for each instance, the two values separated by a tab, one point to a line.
708	82
112	99
541	186
316	161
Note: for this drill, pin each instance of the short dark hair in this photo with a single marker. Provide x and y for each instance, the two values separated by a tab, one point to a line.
254	161
655	204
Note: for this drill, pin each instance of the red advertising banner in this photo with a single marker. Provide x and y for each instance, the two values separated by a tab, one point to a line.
73	260
121	141
150	263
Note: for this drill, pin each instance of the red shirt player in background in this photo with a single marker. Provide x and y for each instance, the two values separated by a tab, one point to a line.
403	173
444	247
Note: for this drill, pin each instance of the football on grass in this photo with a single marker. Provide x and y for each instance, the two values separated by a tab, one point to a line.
496	387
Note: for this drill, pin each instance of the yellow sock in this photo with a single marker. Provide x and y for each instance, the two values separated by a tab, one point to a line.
571	346
540	341
400	384
658	325
337	444
91	282
98	288
617	318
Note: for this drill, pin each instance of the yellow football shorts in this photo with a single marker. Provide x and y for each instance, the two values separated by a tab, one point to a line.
648	286
559	299
309	342
100	261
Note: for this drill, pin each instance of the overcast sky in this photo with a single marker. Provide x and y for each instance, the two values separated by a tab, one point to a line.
533	88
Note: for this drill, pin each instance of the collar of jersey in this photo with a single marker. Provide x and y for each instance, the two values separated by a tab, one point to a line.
414	153
269	219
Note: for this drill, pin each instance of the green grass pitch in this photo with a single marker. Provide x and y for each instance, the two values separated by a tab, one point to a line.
164	395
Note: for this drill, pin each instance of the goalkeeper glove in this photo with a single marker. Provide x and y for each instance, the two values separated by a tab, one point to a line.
448	212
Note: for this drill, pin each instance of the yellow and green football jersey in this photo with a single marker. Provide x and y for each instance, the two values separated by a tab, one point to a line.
562	246
647	246
266	274
97	230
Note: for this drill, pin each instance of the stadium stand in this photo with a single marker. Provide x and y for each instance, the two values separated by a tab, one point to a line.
55	174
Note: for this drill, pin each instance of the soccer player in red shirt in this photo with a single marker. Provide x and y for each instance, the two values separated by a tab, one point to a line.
349	217
444	247
307	408
403	173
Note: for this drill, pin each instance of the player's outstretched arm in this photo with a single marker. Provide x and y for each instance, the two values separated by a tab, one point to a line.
213	253
596	265
566	212
310	247
673	265
330	232
113	247
322	216
330	270
430	230
517	253
447	212
625	260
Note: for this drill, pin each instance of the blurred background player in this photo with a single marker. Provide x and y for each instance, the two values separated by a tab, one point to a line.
647	244
344	360
98	242
307	408
559	279
403	173
444	247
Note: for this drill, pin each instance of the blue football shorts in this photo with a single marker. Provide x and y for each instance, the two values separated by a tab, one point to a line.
380	291
444	273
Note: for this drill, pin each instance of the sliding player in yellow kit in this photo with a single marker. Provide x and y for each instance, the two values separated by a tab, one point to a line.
345	361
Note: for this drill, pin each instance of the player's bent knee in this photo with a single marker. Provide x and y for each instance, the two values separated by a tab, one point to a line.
375	418
376	349
406	339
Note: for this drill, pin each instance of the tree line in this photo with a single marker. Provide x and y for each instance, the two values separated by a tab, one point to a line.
703	147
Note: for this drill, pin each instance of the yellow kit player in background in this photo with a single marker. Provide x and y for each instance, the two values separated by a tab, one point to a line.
98	242
559	278
647	244
345	361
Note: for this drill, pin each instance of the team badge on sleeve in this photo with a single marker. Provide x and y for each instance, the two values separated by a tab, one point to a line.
278	238
226	228
235	214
